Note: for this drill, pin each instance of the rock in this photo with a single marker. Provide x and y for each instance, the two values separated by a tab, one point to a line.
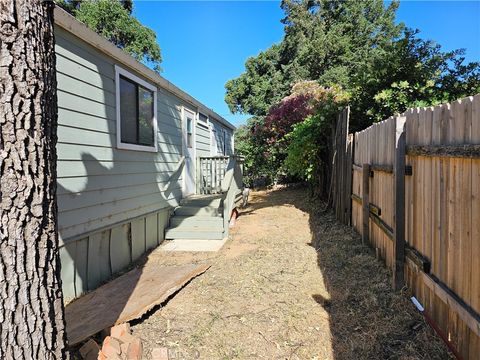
111	347
124	348
135	349
118	331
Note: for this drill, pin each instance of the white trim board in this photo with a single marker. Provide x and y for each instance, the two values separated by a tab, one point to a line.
126	146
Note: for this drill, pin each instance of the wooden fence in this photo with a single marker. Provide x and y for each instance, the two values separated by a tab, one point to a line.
416	200
342	168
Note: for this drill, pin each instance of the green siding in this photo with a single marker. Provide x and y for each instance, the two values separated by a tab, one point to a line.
114	204
219	136
98	184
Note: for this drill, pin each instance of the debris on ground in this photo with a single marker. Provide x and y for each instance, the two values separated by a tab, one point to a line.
119	345
126	298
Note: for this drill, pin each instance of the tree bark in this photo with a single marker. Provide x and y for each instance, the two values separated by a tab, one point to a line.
31	301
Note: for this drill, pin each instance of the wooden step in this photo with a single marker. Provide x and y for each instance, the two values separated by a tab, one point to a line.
186	210
196	221
200	202
193	233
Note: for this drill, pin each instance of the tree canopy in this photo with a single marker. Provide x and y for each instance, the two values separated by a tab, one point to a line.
385	66
114	20
350	50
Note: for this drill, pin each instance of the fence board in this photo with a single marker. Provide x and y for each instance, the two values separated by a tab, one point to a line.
441	208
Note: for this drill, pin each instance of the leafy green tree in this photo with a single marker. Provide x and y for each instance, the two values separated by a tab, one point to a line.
114	20
259	87
385	66
260	160
309	151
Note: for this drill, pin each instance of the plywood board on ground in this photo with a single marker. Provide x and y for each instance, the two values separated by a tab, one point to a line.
126	298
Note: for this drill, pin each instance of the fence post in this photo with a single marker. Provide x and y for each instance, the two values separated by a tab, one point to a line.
365	203
399	213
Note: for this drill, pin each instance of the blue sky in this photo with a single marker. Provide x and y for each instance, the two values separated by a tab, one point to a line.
206	43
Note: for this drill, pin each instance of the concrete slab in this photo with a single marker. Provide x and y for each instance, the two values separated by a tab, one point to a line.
193	245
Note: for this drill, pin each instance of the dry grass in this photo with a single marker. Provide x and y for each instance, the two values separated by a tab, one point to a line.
292	283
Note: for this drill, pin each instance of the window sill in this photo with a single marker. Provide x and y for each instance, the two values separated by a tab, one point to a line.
135	147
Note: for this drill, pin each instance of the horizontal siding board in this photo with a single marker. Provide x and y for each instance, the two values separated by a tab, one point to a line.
69	135
171	100
83	200
167	132
104	211
82	53
168	117
83	185
107	168
77	152
84	90
76	223
71	118
91	76
75	103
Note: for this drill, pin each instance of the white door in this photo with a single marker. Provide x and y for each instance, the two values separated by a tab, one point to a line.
189	151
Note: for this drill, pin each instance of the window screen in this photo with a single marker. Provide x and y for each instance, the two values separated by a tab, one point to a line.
136	113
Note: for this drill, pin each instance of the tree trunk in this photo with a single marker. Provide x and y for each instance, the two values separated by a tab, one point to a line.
31	305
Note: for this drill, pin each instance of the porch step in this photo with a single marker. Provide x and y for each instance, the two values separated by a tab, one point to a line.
189	210
197	218
196	221
215	201
195	233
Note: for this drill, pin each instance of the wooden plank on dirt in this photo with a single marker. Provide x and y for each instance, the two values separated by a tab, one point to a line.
126	298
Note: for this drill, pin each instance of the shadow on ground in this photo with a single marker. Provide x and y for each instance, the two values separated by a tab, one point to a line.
367	319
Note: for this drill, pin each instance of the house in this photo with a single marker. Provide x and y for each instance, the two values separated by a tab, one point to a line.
129	147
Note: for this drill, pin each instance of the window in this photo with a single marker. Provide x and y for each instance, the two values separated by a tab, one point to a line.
189	132
203	120
136	112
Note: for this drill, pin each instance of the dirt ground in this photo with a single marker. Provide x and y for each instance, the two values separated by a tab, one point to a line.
291	283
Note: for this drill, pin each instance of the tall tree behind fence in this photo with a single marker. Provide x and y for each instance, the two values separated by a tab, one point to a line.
416	200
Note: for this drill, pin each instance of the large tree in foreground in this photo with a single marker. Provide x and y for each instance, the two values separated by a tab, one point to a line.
31	305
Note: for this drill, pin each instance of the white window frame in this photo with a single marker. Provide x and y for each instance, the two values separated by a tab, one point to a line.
203	123
127	146
183	112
